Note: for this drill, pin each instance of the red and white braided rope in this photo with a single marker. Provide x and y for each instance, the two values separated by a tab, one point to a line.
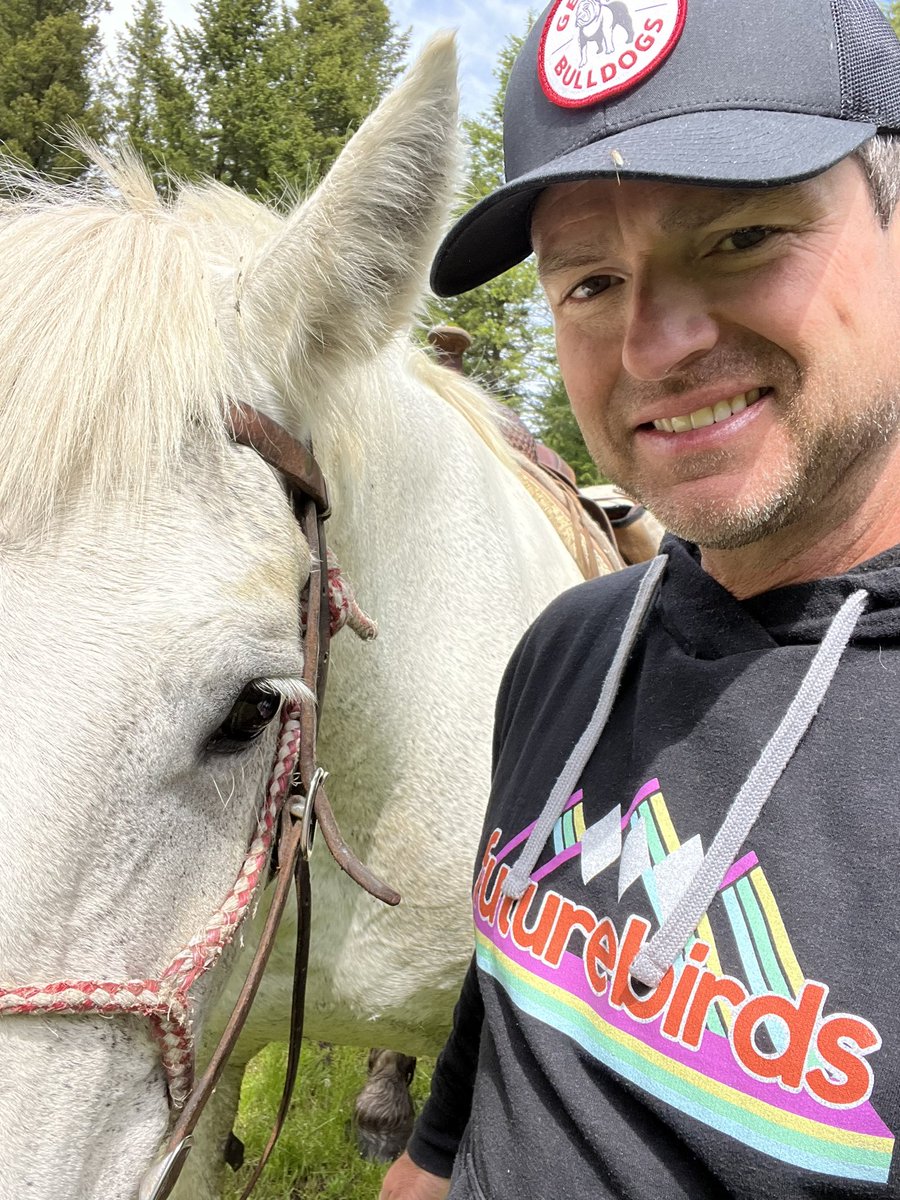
343	607
165	1000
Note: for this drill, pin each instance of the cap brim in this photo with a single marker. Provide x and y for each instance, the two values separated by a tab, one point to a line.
725	148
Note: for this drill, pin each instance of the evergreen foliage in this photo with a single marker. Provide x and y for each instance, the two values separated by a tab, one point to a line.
499	315
279	90
232	62
343	55
155	110
49	50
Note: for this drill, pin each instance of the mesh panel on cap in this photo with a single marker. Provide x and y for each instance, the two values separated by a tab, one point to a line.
869	57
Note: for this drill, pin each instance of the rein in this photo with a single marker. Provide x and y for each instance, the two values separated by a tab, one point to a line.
295	805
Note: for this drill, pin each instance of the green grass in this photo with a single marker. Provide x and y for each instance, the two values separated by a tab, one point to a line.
316	1157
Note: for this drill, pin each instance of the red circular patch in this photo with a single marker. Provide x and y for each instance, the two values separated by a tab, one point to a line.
592	50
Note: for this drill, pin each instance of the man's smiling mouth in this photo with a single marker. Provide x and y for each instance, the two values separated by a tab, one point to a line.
721	411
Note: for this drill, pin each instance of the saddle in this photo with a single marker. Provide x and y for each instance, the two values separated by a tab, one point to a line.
637	531
600	526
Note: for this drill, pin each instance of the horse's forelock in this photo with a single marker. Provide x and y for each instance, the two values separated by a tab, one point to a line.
112	348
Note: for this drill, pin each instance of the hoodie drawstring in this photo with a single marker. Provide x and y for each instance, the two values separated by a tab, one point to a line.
670	939
517	881
658	955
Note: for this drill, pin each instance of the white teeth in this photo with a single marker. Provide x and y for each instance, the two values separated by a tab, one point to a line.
708	416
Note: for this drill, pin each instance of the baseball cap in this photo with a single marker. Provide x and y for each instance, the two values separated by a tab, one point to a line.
723	93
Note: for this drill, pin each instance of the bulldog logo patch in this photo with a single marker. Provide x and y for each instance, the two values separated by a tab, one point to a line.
591	50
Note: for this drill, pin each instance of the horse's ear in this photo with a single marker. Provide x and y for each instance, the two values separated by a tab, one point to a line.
349	267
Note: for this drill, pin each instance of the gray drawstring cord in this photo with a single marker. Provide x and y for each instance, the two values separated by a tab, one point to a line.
670	939
517	881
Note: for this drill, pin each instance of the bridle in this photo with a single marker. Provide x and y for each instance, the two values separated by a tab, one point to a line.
295	805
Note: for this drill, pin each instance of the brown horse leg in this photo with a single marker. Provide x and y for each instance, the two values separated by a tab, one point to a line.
383	1115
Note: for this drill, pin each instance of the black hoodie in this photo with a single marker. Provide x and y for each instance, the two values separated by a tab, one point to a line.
766	1062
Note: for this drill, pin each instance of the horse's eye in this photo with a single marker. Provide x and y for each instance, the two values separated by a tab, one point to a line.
253	710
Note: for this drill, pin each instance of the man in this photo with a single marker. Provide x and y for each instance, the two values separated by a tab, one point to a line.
686	909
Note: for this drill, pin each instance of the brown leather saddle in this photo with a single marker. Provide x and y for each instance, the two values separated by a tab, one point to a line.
600	526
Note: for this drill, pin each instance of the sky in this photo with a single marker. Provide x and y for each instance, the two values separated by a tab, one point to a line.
483	26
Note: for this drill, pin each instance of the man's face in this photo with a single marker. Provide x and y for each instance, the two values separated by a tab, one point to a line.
732	357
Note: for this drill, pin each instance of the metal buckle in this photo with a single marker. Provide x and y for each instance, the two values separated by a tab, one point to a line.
162	1175
304	809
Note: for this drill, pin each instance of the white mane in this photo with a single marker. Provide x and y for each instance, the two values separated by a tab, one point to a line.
89	401
467	399
110	350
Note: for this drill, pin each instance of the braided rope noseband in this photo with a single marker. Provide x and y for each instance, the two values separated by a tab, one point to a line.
165	1000
343	608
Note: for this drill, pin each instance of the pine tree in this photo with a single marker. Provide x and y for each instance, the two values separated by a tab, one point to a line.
339	59
155	110
231	59
499	315
49	51
280	90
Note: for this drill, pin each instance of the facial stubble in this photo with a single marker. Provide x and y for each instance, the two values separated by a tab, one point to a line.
832	466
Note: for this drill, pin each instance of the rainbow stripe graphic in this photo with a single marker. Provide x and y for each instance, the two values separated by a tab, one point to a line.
708	1085
569	829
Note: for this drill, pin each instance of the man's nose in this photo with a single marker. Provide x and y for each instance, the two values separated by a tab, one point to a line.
669	327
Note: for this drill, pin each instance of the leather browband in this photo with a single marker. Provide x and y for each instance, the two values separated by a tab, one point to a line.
276	446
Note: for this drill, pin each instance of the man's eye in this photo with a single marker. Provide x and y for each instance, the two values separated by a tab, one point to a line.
592	286
746	239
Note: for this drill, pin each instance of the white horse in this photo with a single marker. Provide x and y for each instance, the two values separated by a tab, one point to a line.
149	572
